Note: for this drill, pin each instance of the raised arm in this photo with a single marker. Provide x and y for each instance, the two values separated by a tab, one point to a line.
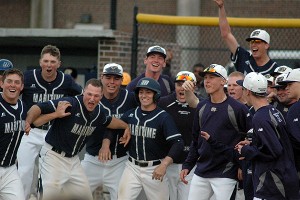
225	29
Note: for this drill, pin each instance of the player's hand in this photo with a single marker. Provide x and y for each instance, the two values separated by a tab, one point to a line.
188	86
126	137
61	109
220	3
159	172
104	154
240	174
27	128
205	135
183	174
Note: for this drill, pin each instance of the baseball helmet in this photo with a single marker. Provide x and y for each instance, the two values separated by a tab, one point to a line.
5	64
150	84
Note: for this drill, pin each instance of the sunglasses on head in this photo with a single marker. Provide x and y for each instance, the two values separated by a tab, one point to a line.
184	78
210	69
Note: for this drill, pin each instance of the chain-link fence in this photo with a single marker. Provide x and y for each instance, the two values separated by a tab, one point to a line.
194	44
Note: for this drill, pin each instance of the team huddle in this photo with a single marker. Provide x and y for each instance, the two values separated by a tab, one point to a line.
155	137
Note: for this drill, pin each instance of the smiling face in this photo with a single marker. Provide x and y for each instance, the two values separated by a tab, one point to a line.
111	85
12	87
92	96
49	65
293	90
155	62
146	98
258	48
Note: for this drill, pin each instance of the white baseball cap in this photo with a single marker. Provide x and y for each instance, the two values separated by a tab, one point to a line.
185	76
215	69
157	49
259	34
255	82
279	79
269	77
281	69
293	76
113	68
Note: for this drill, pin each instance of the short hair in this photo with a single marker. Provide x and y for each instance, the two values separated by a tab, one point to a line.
13	71
198	65
52	50
94	82
237	74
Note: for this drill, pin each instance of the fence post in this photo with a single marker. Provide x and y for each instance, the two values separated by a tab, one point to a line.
134	45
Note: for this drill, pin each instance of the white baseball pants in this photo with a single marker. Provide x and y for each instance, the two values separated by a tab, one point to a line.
205	188
104	173
11	187
29	150
62	175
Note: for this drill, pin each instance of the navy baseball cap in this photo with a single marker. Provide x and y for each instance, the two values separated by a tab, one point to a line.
5	64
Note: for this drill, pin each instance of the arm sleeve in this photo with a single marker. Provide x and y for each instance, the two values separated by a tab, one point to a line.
176	148
267	145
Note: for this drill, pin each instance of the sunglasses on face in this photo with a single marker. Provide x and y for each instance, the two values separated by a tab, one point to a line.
255	41
184	78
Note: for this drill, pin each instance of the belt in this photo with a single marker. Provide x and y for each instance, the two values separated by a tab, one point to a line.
144	163
62	153
44	127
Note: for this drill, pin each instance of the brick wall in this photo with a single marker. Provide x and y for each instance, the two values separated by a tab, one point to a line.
117	50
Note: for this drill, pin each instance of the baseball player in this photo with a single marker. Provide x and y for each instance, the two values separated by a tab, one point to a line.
154	145
74	121
115	102
292	83
4	65
225	119
155	61
259	43
274	171
12	127
183	115
41	85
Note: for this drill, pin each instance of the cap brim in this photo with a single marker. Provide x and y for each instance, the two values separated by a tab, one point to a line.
275	74
240	82
277	86
285	82
202	74
121	75
152	52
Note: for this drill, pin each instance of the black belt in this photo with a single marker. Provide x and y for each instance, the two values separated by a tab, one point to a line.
144	163
44	127
64	154
117	156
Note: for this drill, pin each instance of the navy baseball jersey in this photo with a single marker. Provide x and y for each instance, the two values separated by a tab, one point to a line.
116	108
36	89
273	169
245	63
226	122
293	125
282	108
183	116
11	130
69	134
152	133
166	85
